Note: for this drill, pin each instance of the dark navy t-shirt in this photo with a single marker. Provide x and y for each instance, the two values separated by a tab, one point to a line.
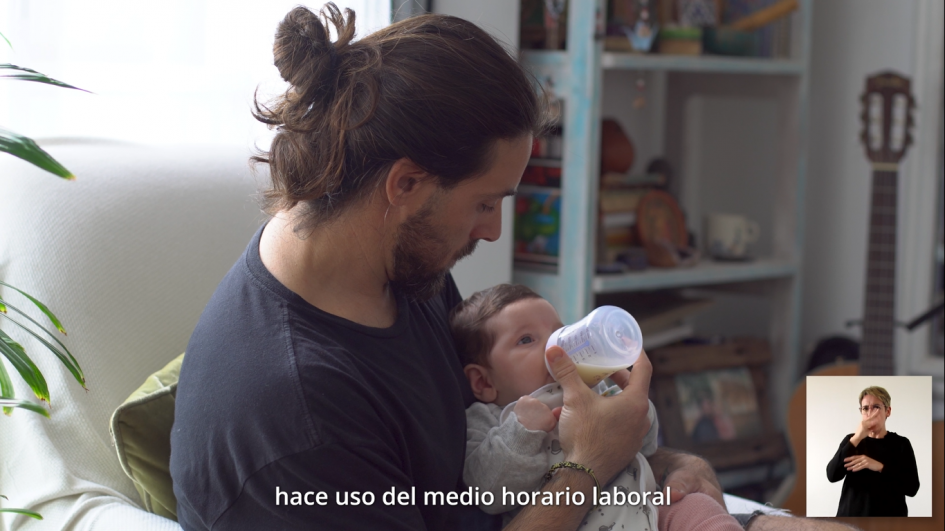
276	395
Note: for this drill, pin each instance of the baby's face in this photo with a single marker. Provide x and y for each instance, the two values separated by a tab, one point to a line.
517	359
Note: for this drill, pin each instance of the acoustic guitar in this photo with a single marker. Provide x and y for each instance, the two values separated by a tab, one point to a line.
887	123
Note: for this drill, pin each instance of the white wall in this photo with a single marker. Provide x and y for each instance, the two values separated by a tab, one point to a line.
498	17
492	262
851	40
160	72
832	415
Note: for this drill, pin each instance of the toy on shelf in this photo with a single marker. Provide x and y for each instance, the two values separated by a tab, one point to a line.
633	26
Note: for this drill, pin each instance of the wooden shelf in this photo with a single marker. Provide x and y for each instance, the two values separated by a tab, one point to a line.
700	63
708	272
558	60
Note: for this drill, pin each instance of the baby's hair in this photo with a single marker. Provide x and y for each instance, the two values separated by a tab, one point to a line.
468	320
881	394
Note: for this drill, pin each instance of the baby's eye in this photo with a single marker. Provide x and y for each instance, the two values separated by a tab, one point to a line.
525	340
486	208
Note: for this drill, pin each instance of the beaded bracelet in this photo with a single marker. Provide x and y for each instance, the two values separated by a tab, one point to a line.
575	466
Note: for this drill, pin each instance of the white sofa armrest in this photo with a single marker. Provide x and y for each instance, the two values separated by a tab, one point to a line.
127	257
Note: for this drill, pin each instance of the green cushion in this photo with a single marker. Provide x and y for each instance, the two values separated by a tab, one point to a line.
141	429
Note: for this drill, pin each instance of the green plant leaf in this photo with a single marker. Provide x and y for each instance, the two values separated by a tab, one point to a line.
31	406
33	75
70	362
24	148
81	375
42	307
6	304
6	387
14	352
31	514
10	44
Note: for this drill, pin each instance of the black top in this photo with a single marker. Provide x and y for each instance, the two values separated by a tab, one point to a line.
277	395
869	493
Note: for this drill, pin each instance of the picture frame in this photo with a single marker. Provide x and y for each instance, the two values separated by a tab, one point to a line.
712	400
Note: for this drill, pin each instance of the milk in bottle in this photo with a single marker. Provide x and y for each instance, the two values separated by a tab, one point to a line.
606	340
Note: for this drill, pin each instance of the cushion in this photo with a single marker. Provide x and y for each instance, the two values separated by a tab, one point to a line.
141	429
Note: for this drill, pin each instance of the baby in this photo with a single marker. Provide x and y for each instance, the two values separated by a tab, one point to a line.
511	432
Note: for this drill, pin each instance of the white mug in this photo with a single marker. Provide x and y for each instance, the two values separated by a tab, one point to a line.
728	235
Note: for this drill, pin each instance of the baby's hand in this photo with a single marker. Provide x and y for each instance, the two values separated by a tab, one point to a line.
534	415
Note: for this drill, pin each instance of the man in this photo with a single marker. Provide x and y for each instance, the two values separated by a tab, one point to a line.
321	388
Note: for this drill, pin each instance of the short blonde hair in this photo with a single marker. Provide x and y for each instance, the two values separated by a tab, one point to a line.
878	392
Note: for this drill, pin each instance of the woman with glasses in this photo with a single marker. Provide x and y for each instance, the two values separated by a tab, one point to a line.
877	466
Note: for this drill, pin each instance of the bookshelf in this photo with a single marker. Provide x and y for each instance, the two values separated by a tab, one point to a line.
585	76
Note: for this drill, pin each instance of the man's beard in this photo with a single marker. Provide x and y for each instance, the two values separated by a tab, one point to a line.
419	255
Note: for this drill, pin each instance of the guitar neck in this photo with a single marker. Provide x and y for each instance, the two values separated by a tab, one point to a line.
876	350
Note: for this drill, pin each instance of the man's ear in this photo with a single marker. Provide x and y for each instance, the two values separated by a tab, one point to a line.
481	383
404	180
888	411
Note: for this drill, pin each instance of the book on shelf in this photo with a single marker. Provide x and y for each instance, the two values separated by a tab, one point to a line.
667	336
620	200
537	175
617	218
537	229
656	311
549	146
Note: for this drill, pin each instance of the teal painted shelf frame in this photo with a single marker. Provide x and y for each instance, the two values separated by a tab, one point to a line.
576	76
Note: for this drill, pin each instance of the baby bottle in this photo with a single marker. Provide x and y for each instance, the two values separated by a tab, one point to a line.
606	340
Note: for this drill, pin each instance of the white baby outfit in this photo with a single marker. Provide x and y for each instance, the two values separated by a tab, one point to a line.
501	452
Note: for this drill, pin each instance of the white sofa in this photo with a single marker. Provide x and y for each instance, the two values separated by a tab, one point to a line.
126	256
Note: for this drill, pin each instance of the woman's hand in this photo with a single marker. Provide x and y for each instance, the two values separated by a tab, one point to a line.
855	463
534	415
865	427
603	434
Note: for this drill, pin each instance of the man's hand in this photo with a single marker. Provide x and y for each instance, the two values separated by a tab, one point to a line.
855	463
685	473
534	415
603	434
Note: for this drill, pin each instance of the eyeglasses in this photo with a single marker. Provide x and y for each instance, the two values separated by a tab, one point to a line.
866	409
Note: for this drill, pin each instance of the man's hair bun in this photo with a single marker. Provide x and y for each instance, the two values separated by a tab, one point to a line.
433	89
304	53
